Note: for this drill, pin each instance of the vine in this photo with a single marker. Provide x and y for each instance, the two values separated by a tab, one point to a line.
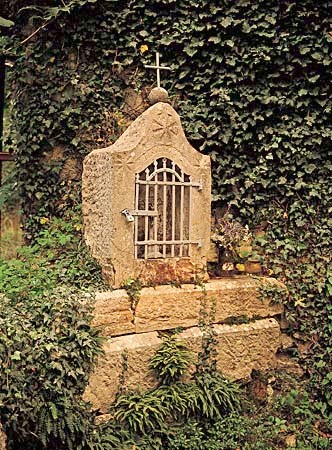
251	82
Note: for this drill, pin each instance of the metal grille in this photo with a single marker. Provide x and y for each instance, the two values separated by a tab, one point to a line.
163	199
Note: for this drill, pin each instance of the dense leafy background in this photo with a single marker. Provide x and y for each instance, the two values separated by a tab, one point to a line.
251	80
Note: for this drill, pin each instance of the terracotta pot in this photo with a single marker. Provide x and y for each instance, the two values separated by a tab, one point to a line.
253	267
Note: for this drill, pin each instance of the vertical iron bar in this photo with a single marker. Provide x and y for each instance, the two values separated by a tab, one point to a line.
146	218
136	217
181	216
155	219
189	218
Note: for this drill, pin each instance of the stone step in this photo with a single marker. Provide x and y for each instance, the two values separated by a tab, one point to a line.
166	307
240	349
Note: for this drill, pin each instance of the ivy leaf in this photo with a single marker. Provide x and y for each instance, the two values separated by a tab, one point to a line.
6	23
317	56
305	50
271	20
314	78
226	22
282	180
53	410
214	39
190	51
16	356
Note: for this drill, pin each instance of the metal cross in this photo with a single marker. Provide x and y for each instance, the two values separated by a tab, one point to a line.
158	69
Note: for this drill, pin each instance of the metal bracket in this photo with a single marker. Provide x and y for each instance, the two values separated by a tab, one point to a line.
145	213
199	185
198	243
127	215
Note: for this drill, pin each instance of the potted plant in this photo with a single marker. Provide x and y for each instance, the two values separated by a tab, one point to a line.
233	241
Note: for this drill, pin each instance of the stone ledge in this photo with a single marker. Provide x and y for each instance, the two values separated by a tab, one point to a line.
166	307
240	349
113	314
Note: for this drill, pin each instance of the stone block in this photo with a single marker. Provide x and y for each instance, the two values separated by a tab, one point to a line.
166	307
240	349
134	351
113	314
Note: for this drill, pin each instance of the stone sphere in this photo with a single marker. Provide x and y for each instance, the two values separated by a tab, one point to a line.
158	94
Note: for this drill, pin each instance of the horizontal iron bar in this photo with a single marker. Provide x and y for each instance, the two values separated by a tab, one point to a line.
144	213
152	242
170	183
158	67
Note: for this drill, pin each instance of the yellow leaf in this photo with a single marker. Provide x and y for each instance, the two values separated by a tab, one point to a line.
300	302
143	48
240	267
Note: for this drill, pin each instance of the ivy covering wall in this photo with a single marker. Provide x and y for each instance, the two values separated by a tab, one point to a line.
252	83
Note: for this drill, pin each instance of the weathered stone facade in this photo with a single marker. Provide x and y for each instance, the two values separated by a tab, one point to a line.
131	328
167	307
241	348
151	171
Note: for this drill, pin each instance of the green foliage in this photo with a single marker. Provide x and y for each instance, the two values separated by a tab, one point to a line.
47	349
151	415
57	257
289	419
241	432
275	293
141	413
216	396
229	433
171	360
133	287
8	194
180	399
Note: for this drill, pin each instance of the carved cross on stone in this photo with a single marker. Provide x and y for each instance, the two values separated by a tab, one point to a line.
158	68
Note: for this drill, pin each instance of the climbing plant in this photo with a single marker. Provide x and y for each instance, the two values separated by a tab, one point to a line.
251	80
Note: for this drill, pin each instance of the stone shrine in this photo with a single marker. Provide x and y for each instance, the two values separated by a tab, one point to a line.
146	203
146	210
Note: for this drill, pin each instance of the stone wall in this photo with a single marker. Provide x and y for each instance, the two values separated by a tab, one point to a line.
132	330
166	307
240	349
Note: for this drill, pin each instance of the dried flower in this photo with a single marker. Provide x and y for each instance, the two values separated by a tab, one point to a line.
230	233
